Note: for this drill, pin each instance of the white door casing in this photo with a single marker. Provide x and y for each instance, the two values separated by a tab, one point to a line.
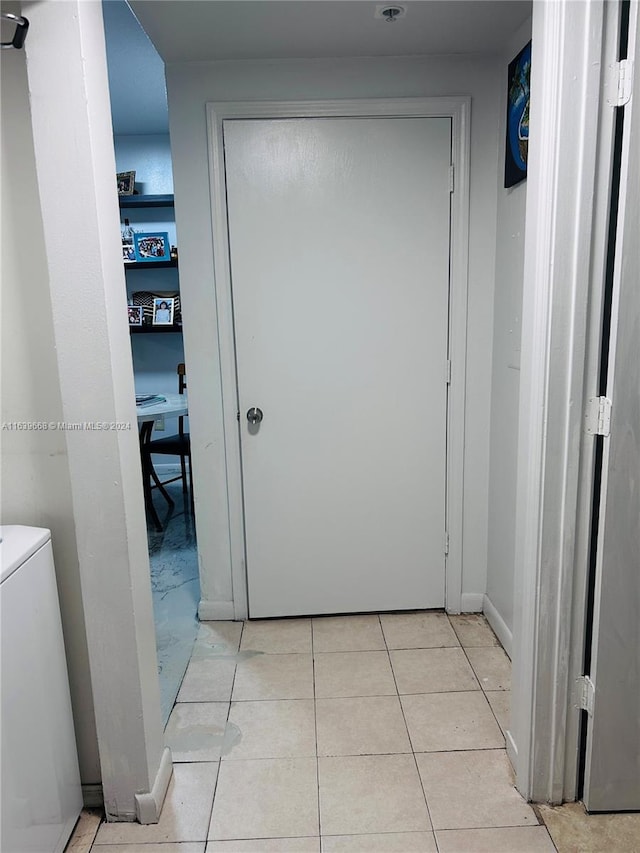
458	110
339	244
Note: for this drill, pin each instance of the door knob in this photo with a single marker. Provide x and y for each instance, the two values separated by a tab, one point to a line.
254	416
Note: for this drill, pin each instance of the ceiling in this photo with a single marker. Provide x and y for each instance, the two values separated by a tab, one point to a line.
205	30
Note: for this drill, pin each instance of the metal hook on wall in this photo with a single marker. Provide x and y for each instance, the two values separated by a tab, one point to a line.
22	25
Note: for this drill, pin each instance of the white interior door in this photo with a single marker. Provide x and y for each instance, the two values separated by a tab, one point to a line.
339	254
612	766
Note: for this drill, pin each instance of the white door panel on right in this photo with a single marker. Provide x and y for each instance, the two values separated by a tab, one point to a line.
339	250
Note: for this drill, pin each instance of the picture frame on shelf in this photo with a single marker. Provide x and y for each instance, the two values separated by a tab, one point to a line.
163	310
126	182
128	253
136	314
152	247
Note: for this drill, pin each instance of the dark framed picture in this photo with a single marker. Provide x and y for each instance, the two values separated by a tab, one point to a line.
517	141
152	247
136	314
128	253
163	308
126	182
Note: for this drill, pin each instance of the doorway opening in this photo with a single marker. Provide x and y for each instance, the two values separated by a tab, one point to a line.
143	164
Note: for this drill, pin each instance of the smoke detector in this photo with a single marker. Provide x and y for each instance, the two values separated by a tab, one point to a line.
390	12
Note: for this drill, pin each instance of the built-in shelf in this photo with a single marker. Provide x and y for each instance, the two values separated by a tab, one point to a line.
145	200
154	330
149	265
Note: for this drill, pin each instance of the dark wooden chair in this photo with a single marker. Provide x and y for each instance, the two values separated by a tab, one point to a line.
177	445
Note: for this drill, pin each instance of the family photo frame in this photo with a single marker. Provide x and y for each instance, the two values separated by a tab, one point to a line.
152	247
126	182
136	315
163	311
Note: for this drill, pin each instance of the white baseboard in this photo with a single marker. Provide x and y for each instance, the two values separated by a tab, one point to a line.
512	750
471	602
211	611
149	806
500	627
92	796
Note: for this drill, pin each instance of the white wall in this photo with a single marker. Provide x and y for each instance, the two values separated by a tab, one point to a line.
505	383
73	142
34	465
190	87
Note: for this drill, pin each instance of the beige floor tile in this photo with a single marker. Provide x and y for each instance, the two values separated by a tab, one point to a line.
388	842
343	674
208	680
347	634
282	728
171	847
421	630
272	798
371	793
492	666
266	845
217	638
439	722
185	814
511	839
472	789
278	636
432	671
500	701
575	831
473	630
85	831
372	725
274	677
196	730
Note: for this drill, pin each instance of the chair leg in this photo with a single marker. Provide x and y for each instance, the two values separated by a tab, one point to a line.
159	485
183	468
193	510
147	469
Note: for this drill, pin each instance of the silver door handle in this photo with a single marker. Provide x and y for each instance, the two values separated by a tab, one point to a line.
254	416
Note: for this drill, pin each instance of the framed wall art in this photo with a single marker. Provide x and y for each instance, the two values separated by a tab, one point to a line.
517	141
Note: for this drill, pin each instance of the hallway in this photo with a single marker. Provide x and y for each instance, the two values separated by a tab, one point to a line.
359	733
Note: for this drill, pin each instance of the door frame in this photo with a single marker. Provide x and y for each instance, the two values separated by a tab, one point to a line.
573	46
458	110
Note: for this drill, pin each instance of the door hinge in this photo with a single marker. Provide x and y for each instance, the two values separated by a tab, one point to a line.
238	416
451	178
598	416
448	372
446	542
621	83
586	694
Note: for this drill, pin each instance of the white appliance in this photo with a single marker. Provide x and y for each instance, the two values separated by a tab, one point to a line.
41	795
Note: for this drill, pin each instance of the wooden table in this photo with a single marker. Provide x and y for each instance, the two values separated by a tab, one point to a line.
175	406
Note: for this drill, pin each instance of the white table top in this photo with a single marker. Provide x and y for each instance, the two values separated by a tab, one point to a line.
175	405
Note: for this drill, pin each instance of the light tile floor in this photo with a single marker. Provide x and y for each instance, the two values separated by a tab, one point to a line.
355	733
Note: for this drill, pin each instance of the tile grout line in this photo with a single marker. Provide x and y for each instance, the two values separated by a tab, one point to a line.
413	752
315	722
215	787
